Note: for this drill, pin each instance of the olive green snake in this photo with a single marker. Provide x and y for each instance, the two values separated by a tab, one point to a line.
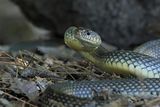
143	62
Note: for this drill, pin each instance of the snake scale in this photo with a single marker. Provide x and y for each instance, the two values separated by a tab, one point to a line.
138	63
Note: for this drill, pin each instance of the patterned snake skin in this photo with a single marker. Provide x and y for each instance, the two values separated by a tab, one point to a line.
83	93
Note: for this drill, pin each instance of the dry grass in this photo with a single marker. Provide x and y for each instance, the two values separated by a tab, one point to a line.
35	69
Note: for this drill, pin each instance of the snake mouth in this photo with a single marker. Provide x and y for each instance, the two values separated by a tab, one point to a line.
70	39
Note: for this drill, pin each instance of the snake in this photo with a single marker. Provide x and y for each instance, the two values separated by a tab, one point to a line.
139	63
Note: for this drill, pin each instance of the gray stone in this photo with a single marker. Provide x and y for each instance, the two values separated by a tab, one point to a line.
123	23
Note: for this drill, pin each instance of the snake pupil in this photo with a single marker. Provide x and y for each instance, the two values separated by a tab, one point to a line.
88	33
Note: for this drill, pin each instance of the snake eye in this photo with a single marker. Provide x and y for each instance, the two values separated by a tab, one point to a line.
88	33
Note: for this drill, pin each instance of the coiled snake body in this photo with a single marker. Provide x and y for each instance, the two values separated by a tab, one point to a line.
88	43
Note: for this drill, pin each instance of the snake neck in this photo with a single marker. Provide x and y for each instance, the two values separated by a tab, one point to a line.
95	56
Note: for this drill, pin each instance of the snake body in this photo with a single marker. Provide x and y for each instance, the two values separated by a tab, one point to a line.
122	62
151	48
147	88
88	43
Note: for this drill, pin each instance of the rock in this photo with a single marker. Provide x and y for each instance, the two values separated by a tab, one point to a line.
123	23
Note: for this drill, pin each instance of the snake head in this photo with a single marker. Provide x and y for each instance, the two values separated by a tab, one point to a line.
81	39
